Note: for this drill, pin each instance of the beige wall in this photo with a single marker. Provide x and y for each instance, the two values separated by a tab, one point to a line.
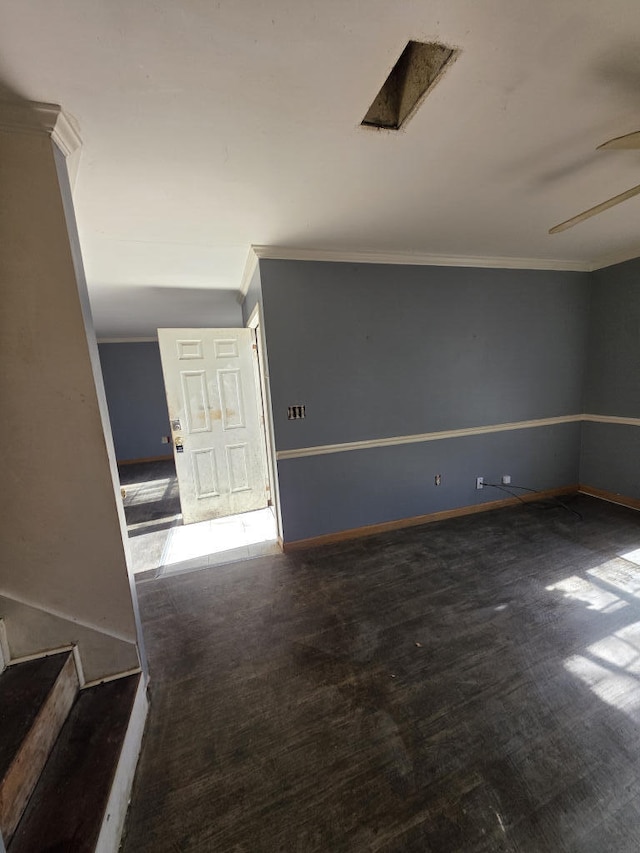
62	547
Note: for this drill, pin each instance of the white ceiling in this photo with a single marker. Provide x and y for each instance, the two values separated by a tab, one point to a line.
210	126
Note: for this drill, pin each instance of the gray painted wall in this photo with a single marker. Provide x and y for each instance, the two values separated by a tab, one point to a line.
611	452
132	371
610	458
613	376
324	494
141	311
377	351
134	389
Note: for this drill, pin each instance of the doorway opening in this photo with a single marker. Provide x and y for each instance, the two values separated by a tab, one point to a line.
212	502
160	544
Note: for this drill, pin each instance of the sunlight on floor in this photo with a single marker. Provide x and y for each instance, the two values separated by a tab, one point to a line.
159	546
595	597
222	540
149	491
611	665
632	556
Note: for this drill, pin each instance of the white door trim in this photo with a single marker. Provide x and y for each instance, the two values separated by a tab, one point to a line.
255	322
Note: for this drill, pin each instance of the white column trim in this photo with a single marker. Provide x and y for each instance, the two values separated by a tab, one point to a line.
41	118
249	268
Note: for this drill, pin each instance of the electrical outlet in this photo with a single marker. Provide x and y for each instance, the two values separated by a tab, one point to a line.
479	482
506	479
438	479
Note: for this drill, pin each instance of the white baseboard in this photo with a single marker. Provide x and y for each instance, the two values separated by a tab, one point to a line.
34	632
116	810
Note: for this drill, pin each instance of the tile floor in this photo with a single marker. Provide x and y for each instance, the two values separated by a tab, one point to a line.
160	544
223	540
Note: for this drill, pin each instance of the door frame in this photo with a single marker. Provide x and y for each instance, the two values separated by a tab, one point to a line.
256	324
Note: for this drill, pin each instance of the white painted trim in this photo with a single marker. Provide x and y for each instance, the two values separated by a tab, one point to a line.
256	323
249	269
254	318
615	258
79	667
611	419
127	340
116	810
320	450
46	653
115	635
56	651
36	117
416	259
115	677
66	134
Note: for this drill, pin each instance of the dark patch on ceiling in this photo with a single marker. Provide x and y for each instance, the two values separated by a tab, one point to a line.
418	69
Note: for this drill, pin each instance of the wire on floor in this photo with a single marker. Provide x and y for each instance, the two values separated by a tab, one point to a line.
556	501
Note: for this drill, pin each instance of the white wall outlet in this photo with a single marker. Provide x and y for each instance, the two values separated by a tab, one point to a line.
479	482
506	479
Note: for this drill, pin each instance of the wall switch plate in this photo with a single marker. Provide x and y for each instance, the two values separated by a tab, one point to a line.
296	413
506	479
479	482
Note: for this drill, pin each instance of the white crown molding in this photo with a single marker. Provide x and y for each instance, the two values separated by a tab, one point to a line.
66	134
615	258
40	118
416	259
247	275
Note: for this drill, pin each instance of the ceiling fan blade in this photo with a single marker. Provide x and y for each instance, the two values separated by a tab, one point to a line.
599	208
629	140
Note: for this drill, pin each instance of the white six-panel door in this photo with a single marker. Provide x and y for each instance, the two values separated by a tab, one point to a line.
210	381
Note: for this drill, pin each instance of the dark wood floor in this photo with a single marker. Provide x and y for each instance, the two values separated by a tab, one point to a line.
471	685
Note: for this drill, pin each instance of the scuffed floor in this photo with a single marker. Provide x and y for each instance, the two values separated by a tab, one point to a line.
472	685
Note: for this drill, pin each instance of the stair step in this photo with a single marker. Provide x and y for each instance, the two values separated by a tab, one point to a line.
35	698
67	807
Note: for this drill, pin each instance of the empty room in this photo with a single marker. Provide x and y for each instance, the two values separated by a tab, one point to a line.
321	373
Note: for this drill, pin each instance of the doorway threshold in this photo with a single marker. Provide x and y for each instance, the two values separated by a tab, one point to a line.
211	543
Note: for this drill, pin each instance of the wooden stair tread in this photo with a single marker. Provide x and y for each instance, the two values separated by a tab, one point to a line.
23	690
67	806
